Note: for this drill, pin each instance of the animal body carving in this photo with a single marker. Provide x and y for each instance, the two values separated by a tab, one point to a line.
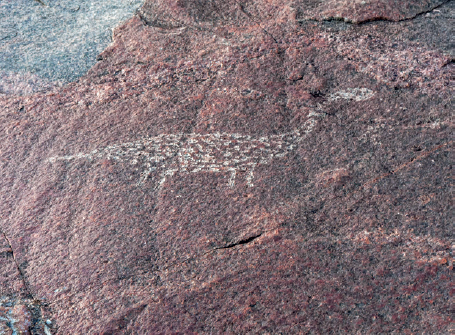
166	154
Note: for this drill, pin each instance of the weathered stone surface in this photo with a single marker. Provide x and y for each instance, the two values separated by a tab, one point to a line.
19	313
231	167
370	10
45	44
176	13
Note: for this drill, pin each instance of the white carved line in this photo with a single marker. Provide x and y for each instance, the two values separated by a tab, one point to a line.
356	94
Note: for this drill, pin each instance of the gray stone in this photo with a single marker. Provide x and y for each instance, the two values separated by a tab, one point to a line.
44	43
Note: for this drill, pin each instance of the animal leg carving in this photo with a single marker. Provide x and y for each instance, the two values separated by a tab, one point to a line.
231	182
250	176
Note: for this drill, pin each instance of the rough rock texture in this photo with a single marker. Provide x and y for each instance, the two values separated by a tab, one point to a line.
19	314
46	43
371	10
228	166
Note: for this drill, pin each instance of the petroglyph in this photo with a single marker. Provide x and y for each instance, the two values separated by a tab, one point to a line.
167	154
356	94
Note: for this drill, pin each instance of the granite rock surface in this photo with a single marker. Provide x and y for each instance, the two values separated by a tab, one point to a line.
234	167
44	44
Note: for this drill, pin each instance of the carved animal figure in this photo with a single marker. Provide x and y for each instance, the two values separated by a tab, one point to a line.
166	154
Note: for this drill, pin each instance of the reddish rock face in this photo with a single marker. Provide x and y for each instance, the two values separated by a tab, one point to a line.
358	11
175	13
236	167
